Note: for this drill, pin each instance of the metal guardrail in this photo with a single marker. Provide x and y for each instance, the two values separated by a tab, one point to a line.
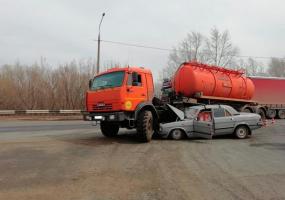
31	112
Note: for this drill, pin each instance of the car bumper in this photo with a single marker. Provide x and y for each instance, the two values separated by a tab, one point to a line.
257	126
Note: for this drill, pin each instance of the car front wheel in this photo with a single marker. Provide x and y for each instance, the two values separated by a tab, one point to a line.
241	132
177	134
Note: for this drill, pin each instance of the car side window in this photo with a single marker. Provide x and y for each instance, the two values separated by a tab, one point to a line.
205	115
219	112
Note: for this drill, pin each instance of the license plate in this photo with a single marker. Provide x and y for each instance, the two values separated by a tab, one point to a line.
98	117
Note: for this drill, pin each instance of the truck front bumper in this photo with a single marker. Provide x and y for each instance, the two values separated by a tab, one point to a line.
109	116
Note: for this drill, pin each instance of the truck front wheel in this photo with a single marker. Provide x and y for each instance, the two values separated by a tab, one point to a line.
145	125
109	129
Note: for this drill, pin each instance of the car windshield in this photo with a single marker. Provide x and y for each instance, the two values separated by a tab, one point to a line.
191	113
110	80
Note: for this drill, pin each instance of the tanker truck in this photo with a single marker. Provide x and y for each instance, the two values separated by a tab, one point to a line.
196	83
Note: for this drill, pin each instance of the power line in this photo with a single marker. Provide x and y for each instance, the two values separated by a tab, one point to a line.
136	45
169	50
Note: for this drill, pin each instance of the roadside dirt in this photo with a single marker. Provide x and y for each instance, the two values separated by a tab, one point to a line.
80	163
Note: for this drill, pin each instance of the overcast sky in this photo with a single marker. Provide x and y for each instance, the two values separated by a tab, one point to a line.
62	30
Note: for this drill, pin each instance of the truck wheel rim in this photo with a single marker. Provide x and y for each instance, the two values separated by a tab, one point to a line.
281	114
271	113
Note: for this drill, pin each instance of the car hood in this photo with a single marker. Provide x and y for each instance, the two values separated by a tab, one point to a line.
180	114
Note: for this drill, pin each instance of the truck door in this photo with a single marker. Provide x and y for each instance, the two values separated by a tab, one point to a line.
150	87
136	88
203	124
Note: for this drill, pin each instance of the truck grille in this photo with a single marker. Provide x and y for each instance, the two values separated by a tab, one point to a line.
107	106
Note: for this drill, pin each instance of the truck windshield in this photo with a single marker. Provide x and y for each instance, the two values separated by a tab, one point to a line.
110	80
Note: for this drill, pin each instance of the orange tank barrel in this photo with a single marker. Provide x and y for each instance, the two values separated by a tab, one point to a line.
193	77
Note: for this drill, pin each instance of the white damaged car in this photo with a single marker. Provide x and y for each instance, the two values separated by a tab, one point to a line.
207	121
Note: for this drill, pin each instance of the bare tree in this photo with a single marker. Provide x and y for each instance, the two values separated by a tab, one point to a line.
189	49
219	49
216	50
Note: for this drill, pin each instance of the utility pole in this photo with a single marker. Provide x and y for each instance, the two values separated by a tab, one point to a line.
98	50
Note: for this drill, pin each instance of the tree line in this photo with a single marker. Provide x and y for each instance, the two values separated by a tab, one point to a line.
39	86
217	48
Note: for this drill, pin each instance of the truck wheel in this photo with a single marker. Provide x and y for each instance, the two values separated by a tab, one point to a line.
109	129
281	114
177	134
241	132
145	125
271	113
261	113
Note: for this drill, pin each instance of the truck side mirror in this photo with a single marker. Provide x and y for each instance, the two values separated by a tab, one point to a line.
90	83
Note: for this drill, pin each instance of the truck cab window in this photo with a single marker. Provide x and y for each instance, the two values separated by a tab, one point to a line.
108	80
134	79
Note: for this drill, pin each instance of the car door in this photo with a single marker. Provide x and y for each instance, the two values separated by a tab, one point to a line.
203	127
224	121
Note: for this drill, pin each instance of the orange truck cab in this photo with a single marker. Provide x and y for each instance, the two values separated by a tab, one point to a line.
122	97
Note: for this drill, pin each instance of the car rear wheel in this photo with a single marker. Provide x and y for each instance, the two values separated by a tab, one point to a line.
109	129
177	134
241	132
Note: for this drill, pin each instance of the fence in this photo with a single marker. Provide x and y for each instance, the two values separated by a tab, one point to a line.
41	112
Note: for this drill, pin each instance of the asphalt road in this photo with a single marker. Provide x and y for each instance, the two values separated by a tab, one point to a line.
72	160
